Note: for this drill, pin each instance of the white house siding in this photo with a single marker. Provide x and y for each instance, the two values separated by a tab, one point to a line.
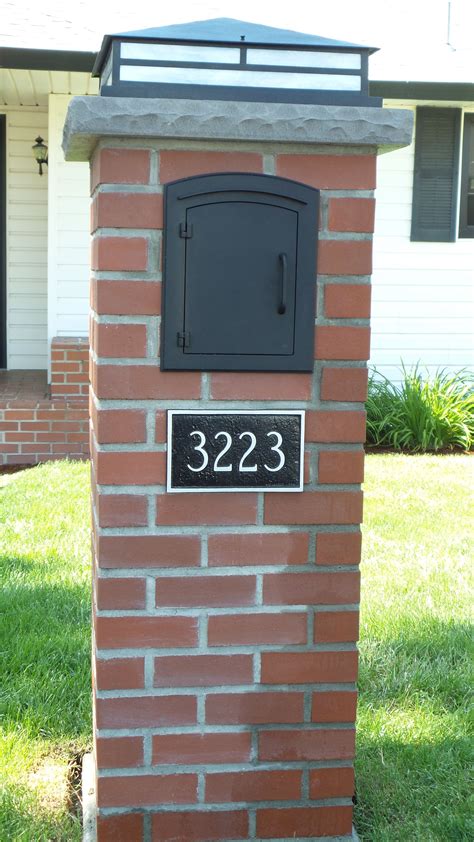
27	217
68	226
422	292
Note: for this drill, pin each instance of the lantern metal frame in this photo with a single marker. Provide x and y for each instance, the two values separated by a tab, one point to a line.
221	34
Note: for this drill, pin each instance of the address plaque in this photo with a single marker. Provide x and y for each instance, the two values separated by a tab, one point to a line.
231	450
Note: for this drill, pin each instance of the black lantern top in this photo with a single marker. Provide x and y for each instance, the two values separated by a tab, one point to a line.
230	59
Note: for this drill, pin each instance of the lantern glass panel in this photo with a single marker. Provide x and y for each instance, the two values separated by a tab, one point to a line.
180	52
304	58
240	78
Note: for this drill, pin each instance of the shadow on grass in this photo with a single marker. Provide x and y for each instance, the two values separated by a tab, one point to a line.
45	629
413	747
417	791
430	658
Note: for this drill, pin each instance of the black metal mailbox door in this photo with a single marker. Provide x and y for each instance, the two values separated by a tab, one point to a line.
228	301
239	274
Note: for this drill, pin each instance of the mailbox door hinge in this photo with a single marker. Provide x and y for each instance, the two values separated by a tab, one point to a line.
185	230
183	339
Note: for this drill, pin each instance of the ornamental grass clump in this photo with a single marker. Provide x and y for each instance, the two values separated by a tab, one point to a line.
421	415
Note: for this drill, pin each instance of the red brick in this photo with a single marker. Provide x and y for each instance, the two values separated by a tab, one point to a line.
19	414
341	466
308	667
332	172
115	594
202	670
133	468
146	712
298	822
338	548
202	748
13	425
340	706
127	827
199	826
146	790
160	427
344	384
174	165
276	785
258	549
335	342
323	744
12	437
112	340
331	783
154	632
344	257
258	386
144	382
36	448
331	426
127	210
249	629
122	510
206	509
329	507
313	588
122	254
347	301
120	673
113	426
119	751
120	166
348	214
254	708
149	551
336	627
216	591
126	298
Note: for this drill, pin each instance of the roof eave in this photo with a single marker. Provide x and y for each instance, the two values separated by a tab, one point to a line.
17	58
442	91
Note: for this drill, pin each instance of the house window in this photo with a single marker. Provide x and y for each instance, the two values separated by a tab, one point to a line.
466	210
436	176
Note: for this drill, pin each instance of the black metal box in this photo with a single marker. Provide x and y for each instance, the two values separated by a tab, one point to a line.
239	276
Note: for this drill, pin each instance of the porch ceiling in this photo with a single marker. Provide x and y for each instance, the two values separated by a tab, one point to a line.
32	87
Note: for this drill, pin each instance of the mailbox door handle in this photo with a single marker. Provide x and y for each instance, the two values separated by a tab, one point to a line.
284	283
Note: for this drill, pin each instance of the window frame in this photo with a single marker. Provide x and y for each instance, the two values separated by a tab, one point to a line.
465	230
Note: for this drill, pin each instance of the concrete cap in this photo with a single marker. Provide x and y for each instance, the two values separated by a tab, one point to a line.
90	118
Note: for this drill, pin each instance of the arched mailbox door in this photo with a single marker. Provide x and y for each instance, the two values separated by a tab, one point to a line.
239	274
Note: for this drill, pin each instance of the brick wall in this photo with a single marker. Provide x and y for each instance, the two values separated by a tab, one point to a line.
225	625
69	367
37	426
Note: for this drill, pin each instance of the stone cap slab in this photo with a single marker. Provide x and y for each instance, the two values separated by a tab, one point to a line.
90	118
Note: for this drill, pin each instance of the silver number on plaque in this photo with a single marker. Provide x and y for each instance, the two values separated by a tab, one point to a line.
224	450
276	448
253	442
200	449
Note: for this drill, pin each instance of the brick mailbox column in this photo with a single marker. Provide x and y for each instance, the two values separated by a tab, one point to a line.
225	624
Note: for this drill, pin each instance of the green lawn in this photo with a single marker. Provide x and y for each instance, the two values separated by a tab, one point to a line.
44	629
416	647
412	761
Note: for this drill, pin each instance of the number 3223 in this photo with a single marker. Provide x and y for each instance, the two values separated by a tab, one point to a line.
246	464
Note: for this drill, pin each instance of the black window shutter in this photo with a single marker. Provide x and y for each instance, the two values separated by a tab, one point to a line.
435	181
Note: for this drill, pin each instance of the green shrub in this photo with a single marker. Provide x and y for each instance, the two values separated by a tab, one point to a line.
421	415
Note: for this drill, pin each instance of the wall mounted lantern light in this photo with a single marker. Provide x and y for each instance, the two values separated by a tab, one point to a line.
40	153
229	59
